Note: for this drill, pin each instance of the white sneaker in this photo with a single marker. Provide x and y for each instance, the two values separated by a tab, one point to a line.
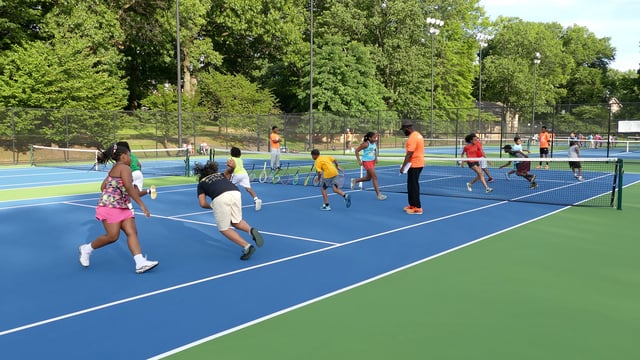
84	256
146	266
580	178
382	197
152	192
258	204
353	184
469	187
488	190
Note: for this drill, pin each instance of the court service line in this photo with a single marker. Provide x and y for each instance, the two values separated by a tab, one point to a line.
238	271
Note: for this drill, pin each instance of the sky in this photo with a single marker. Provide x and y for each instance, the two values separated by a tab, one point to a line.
618	20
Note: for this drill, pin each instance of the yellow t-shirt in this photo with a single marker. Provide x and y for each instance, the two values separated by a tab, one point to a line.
239	169
325	164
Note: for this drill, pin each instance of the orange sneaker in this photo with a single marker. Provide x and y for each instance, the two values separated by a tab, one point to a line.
415	211
408	207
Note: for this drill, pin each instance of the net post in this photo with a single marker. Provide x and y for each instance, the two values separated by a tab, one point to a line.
187	162
620	169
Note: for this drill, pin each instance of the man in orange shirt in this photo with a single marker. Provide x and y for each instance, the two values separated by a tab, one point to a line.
545	140
274	142
412	166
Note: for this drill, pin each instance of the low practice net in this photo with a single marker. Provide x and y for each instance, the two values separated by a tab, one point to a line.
595	183
159	162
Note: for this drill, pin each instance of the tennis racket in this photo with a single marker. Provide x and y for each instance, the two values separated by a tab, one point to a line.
263	175
275	178
284	179
296	177
252	175
316	180
309	176
340	179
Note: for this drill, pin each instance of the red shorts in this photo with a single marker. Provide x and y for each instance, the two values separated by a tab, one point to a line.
113	215
368	165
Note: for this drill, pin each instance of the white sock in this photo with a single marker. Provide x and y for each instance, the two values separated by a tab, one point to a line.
139	259
87	248
247	247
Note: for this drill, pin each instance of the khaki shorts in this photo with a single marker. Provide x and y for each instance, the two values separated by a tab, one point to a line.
227	209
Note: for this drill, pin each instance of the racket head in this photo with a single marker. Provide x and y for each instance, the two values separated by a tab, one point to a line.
316	180
340	179
296	177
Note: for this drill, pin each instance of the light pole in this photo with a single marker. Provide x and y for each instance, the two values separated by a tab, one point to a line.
311	76
434	25
536	61
482	40
179	73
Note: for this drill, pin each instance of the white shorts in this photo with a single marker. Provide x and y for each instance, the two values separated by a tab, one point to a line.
227	209
138	179
483	163
242	180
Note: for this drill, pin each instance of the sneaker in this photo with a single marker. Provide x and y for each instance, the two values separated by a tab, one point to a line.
533	178
257	237
353	184
246	253
507	176
382	197
538	166
490	179
152	192
258	204
533	185
469	187
347	200
488	190
408	207
546	167
414	211
84	256
580	178
146	266
325	207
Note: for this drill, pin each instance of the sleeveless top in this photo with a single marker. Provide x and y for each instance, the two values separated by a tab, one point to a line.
369	153
239	166
114	194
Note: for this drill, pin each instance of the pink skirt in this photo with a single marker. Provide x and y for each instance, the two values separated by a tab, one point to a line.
113	215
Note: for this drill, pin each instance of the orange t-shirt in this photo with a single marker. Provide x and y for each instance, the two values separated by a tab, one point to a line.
415	143
544	139
274	139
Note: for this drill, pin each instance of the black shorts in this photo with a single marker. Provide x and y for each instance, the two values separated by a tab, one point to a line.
544	151
471	164
523	168
575	165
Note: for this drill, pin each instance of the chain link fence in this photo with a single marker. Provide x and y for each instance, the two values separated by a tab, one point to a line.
495	124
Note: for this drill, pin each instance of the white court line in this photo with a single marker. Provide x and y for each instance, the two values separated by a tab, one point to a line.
207	279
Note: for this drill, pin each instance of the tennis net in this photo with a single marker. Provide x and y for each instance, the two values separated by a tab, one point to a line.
598	183
159	162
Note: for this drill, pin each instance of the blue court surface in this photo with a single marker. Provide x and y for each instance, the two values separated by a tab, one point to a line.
52	307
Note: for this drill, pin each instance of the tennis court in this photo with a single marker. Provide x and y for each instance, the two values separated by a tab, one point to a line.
471	278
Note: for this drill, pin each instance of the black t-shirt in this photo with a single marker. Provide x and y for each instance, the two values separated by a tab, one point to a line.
214	185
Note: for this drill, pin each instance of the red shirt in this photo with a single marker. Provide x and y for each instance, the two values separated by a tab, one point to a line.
473	150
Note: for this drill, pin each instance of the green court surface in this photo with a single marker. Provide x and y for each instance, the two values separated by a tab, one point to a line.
566	286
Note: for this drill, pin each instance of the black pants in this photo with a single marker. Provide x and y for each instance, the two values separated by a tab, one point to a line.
413	186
